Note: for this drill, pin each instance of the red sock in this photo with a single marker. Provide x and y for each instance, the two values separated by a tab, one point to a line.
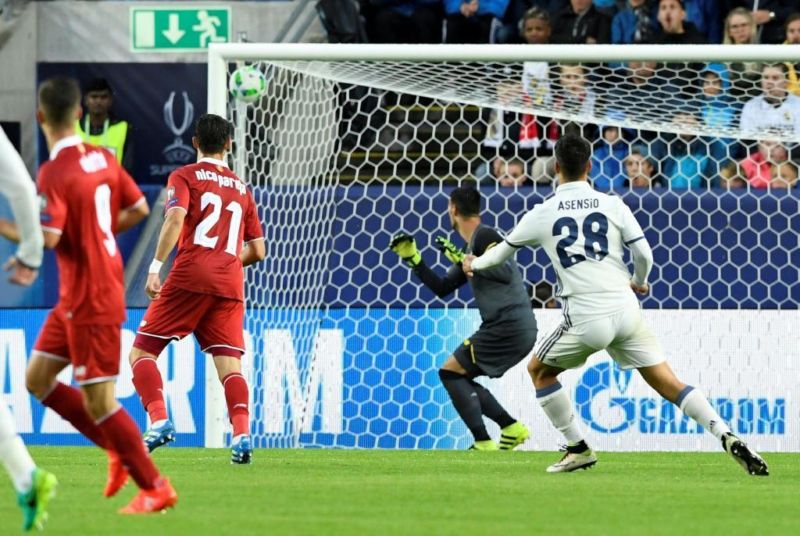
147	380
236	395
68	402
126	440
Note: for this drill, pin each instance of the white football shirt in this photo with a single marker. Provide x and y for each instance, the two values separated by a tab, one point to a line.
584	233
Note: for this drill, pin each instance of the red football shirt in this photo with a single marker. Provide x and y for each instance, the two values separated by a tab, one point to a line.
221	215
83	189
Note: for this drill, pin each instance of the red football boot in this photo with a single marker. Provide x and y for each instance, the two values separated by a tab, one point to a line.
149	501
117	474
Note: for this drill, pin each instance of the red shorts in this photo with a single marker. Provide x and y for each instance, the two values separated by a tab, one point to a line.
216	322
93	349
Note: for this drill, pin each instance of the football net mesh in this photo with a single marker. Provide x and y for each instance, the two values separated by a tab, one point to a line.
344	342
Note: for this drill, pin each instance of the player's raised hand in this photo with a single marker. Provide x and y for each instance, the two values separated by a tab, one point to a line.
466	264
406	247
153	286
22	274
453	253
640	289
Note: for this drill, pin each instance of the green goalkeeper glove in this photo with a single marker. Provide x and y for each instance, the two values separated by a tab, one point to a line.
406	247
450	250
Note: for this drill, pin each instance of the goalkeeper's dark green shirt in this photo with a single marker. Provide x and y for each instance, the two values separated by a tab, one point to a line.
499	292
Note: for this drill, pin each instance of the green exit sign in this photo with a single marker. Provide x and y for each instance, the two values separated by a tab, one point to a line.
179	29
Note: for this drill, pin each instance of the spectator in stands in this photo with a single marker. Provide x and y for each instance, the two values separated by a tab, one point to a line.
471	21
640	171
675	30
571	94
718	112
404	21
717	105
607	160
536	30
770	16
635	24
100	126
732	177
631	91
510	135
775	110
784	175
793	38
510	172
512	29
687	164
580	23
758	167
740	29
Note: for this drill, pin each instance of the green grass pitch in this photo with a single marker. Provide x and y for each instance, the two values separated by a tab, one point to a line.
373	492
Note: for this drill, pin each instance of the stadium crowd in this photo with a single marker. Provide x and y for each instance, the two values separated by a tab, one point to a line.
758	99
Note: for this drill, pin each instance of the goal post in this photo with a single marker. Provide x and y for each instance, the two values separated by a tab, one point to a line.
353	143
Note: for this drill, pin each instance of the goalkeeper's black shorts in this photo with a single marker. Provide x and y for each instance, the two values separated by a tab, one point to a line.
491	351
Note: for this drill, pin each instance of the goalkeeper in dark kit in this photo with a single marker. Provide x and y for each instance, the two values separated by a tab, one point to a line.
508	329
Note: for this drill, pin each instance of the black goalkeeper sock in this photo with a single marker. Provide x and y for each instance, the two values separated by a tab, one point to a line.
467	402
491	407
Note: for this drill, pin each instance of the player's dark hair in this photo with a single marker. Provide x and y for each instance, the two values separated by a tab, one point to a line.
572	153
212	133
466	200
58	98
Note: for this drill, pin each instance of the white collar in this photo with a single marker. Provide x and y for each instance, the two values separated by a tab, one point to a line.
63	143
213	161
574	185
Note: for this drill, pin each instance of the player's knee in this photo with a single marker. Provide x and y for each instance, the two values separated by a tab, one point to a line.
137	354
98	406
36	383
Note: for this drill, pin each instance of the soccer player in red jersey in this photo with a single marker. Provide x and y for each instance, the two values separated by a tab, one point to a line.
87	198
214	215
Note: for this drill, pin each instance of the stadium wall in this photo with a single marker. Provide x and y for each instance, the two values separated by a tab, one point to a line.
375	383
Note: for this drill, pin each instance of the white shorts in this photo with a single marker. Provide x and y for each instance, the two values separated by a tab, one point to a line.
623	334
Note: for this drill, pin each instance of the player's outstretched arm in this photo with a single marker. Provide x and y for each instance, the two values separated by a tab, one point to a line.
492	257
252	252
16	185
406	247
170	232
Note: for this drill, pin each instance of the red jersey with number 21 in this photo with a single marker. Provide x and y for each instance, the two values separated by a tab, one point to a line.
221	215
82	190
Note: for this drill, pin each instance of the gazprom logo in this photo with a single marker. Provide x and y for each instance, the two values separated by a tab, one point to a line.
603	403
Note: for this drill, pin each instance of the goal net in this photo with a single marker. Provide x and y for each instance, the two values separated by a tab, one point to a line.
350	145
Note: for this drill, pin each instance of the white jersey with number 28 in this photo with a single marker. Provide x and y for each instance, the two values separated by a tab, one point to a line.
584	233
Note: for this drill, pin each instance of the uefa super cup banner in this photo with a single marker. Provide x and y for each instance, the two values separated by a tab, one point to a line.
368	379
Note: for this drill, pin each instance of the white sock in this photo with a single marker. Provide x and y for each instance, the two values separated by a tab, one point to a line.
558	407
158	424
13	453
695	405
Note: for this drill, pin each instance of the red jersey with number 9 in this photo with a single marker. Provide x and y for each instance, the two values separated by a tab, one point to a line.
82	190
221	216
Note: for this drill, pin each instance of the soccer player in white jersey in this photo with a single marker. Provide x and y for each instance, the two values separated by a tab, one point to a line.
35	487
584	233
